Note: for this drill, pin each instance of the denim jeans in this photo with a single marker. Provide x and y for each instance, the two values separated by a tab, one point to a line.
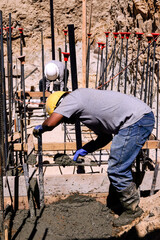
126	145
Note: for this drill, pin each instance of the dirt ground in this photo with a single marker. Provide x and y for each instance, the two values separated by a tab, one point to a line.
77	217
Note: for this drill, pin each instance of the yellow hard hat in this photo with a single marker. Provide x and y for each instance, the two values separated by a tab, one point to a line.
52	101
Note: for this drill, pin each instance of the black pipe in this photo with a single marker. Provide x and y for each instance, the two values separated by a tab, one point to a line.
52	29
74	85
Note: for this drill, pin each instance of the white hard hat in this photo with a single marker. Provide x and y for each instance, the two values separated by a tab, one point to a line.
51	71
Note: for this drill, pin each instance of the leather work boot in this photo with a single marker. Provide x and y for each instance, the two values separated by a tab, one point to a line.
129	199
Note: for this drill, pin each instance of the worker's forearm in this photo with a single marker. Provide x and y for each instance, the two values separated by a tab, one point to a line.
100	142
53	121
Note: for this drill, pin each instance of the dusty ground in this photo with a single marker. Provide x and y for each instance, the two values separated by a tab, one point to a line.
79	217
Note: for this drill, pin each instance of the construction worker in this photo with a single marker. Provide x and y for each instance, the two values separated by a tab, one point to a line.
124	119
54	72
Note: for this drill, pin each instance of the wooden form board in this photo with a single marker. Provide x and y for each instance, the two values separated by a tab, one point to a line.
33	94
71	146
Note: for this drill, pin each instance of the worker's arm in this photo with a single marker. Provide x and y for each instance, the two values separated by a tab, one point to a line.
53	121
49	124
93	145
99	142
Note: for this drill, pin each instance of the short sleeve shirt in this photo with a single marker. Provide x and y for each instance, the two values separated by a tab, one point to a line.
103	111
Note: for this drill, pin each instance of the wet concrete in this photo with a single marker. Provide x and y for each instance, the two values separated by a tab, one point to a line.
77	217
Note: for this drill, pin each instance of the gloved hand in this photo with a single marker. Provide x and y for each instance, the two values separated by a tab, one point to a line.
37	131
80	152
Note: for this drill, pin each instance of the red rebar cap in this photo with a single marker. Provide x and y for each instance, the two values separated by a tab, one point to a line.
139	35
7	29
149	37
66	56
103	46
89	35
107	33
115	34
122	34
155	35
100	44
127	34
22	59
65	31
20	30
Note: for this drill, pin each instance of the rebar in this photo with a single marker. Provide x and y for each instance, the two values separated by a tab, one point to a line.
52	29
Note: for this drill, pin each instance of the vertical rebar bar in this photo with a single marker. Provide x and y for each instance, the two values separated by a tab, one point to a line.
149	84
155	35
43	77
126	63
88	61
142	80
4	91
52	29
10	56
120	61
41	177
153	186
99	45
146	80
1	134
139	35
114	52
107	35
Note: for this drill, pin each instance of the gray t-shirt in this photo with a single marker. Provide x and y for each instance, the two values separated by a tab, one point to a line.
104	112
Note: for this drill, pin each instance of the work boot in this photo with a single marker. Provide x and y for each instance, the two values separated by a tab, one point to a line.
129	199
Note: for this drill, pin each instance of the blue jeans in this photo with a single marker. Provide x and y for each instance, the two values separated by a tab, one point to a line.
125	147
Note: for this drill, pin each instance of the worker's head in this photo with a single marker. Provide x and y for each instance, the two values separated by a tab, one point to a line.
51	71
54	100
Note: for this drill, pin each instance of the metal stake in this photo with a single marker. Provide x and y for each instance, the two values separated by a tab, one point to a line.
156	163
99	44
139	35
125	83
107	35
113	62
120	61
88	61
41	177
149	37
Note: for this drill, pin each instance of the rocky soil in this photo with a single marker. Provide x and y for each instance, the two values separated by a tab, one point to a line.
117	15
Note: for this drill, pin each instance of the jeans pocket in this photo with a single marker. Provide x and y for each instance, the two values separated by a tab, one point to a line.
143	133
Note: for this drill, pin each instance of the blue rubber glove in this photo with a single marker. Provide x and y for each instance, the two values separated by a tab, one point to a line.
38	130
80	152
